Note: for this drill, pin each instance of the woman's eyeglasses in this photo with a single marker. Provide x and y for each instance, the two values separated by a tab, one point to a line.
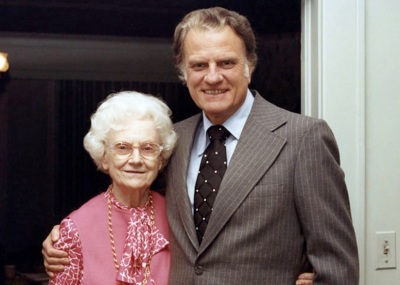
147	150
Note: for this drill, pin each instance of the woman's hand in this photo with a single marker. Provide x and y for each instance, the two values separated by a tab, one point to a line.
305	278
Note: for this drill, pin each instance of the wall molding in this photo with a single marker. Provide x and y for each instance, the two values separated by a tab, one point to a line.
333	31
40	56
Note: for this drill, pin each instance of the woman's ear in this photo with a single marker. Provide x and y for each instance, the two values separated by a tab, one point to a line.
160	164
104	163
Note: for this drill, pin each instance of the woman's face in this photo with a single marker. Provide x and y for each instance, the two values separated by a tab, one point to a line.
133	172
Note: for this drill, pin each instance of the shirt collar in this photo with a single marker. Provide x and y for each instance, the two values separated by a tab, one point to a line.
234	124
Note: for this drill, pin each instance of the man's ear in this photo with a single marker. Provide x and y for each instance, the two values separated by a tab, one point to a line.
248	72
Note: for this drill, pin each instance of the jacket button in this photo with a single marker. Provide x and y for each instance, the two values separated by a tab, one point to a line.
199	270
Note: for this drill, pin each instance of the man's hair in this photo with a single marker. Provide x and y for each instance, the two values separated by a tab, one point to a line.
213	19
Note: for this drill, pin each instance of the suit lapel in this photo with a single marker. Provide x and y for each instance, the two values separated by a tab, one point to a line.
257	150
181	164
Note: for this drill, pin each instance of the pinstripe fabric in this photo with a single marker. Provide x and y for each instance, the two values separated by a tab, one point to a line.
282	200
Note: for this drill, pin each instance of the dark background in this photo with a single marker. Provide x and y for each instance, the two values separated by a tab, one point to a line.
139	18
44	171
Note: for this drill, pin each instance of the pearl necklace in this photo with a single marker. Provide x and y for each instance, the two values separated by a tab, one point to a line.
110	230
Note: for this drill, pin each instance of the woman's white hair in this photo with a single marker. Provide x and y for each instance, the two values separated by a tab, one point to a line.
114	114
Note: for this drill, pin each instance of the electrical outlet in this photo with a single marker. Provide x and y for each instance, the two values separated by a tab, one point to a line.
386	250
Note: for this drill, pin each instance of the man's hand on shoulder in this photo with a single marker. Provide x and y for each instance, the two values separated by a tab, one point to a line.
54	259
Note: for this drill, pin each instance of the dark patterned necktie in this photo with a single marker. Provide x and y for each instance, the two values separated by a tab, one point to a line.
211	172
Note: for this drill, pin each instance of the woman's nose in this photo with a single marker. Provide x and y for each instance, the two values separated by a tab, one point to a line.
135	156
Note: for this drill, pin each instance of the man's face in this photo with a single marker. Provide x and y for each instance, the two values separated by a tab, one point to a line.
217	74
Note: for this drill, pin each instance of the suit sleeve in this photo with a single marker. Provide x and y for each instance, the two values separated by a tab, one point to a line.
324	210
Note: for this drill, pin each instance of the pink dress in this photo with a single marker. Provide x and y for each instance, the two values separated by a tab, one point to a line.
84	234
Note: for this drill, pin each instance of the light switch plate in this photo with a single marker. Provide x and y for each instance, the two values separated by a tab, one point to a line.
386	250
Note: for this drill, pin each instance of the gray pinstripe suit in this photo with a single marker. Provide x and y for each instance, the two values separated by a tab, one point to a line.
283	200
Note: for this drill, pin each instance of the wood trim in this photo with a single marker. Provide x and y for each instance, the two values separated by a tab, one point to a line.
317	98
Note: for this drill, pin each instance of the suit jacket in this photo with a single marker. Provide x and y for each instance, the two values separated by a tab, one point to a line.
282	203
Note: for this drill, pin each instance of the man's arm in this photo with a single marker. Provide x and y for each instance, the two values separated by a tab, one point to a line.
324	209
54	259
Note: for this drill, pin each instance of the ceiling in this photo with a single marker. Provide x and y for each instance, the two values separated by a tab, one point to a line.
136	18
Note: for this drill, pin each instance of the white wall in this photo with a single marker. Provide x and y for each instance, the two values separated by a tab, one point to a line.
383	130
351	68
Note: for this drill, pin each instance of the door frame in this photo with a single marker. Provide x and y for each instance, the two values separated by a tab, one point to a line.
333	89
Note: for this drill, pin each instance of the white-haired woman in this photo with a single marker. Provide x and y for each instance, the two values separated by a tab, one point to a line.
121	236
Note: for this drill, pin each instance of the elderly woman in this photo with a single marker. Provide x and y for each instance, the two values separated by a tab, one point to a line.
121	235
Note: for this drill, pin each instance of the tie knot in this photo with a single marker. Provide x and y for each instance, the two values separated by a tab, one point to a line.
218	132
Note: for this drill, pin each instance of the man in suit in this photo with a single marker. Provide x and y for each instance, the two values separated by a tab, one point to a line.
282	205
282	202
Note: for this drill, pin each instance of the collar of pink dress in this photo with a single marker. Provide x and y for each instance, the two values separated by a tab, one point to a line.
141	242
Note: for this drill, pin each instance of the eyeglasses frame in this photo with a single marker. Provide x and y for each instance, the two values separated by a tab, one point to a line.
112	149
